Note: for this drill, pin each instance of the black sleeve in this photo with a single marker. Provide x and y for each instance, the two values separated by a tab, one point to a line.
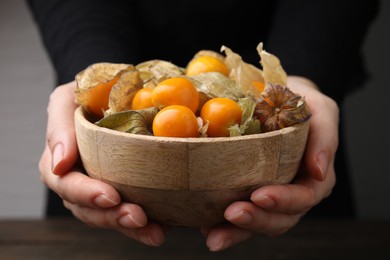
322	40
79	33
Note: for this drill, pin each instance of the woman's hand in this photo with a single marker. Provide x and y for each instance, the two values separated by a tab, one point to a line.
92	201
274	209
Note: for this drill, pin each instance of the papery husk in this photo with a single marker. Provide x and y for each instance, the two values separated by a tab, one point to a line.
95	74
153	72
243	73
249	125
122	93
273	71
130	121
215	84
247	74
202	127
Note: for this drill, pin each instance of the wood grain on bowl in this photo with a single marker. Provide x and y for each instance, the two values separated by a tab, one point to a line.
188	181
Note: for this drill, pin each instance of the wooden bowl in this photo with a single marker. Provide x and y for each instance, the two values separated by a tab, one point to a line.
188	181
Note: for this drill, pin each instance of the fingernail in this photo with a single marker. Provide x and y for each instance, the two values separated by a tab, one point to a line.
241	217
57	155
217	245
144	238
103	201
263	201
147	239
322	164
128	221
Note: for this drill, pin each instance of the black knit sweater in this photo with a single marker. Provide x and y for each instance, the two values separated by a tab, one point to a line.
321	40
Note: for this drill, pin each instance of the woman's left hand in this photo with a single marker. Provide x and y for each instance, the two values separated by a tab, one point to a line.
274	209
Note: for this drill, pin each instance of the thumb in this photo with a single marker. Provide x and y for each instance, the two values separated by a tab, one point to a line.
60	134
323	138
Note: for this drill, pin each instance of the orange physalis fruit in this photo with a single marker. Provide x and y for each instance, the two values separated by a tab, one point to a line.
142	99
206	64
220	113
175	121
99	95
176	91
259	86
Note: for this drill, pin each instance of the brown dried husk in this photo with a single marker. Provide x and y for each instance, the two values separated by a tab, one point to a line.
279	107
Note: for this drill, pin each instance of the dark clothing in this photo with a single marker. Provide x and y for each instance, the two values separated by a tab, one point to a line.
320	40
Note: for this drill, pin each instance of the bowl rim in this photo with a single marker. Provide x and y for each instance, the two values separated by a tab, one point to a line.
81	113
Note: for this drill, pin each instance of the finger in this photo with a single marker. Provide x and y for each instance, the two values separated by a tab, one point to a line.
287	199
126	218
224	236
99	205
277	208
296	198
322	141
77	187
125	215
60	133
248	216
152	234
80	189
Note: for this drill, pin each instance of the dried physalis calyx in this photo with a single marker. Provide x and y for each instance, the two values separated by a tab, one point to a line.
279	107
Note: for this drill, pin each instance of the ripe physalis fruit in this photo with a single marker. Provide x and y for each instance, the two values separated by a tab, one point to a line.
175	121
96	82
206	61
260	97
220	114
206	64
142	99
279	107
176	91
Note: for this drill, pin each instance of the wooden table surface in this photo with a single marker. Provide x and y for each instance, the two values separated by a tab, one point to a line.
310	239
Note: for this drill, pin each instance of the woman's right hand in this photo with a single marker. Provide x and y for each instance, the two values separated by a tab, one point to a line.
92	201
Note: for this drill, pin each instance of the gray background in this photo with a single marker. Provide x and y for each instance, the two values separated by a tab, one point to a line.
26	81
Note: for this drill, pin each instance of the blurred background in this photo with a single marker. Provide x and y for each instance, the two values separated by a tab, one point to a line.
26	80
